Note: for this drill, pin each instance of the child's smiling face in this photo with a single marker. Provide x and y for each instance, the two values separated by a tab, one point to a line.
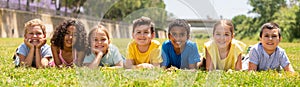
142	35
178	36
99	41
70	38
270	39
222	36
34	34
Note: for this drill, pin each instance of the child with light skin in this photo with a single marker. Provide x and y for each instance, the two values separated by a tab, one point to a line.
143	51
69	43
179	51
267	55
34	51
102	52
223	52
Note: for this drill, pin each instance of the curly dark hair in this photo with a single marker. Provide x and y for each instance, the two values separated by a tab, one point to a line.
61	30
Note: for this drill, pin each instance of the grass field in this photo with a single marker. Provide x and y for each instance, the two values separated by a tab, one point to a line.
11	76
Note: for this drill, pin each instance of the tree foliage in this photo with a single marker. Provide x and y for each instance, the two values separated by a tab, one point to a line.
278	11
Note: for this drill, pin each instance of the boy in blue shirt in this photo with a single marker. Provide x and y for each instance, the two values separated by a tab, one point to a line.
34	51
179	51
267	54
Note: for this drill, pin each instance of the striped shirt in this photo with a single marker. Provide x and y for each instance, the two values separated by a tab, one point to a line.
259	57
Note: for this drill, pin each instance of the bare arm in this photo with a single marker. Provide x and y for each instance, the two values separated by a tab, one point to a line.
192	66
81	55
119	64
289	68
55	51
129	64
95	63
252	67
27	60
209	64
238	64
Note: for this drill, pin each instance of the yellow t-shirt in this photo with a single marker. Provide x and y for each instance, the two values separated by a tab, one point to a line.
152	55
229	62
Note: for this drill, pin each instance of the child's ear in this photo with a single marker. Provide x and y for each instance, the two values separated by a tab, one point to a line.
233	34
280	38
153	35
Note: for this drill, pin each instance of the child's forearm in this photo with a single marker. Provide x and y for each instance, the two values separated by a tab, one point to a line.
95	63
38	58
29	58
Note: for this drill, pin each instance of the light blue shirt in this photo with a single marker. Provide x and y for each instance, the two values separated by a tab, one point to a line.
45	50
111	58
24	50
188	56
259	57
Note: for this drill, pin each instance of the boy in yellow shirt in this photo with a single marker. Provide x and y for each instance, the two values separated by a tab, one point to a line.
143	51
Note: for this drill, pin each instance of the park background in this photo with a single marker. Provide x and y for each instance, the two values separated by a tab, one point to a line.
117	15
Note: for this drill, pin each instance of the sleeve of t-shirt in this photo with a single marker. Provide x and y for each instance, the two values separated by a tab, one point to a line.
195	57
253	55
46	52
130	50
22	49
284	60
155	56
88	58
117	57
165	56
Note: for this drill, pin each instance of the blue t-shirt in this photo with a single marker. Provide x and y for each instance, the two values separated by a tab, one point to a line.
111	58
188	56
277	60
45	51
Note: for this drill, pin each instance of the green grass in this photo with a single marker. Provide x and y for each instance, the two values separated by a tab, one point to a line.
11	76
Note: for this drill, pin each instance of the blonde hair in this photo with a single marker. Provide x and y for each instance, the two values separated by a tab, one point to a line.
224	23
99	27
35	22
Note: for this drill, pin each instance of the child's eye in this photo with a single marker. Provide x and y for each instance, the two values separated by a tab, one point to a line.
274	36
104	39
31	33
96	40
227	35
266	36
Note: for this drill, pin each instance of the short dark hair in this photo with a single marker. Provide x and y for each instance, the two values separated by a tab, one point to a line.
143	21
270	26
180	23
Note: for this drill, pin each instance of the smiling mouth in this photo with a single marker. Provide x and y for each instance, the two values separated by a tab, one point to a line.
32	41
270	43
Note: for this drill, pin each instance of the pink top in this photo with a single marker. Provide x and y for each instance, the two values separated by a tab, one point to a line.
64	62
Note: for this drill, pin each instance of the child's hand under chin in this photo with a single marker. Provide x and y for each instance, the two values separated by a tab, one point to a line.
97	51
27	43
42	42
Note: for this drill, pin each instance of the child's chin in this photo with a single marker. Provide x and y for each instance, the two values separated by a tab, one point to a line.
35	43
